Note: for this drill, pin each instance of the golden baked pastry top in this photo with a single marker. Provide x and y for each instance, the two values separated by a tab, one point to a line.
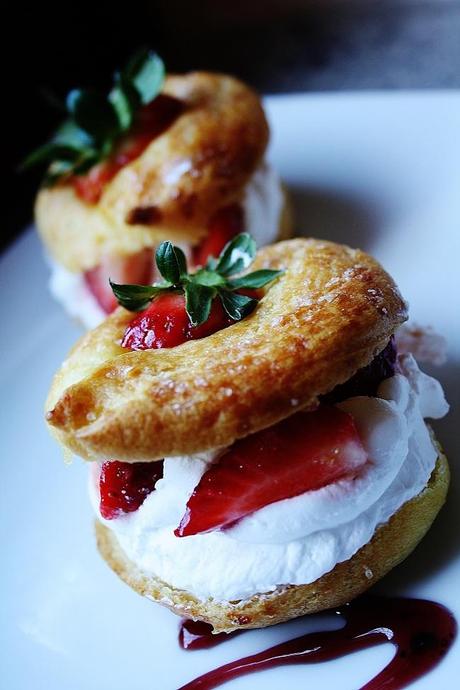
202	162
332	310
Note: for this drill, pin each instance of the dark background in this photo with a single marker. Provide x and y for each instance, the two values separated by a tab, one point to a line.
276	45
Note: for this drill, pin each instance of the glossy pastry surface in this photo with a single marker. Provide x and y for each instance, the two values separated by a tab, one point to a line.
326	317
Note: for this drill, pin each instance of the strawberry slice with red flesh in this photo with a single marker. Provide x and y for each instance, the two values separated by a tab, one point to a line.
124	486
223	226
302	453
134	269
165	323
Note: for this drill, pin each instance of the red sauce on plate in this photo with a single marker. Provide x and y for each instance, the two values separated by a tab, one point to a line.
422	632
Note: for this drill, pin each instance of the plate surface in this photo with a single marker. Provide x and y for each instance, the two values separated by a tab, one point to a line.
379	171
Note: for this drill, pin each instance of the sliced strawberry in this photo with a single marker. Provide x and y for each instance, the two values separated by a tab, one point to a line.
165	323
134	269
124	486
302	453
222	227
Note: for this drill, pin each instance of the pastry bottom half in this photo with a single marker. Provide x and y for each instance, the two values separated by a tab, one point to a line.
391	544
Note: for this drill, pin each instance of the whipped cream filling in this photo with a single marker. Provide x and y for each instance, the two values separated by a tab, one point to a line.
262	207
297	540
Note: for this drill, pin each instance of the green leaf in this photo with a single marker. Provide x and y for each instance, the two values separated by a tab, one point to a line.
236	255
198	301
97	121
69	134
202	287
211	263
136	297
237	306
123	107
206	277
93	113
69	151
49	153
257	279
145	72
171	262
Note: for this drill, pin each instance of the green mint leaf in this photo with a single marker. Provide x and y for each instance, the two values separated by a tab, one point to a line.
93	113
145	72
198	301
171	262
236	255
136	297
257	279
237	306
206	277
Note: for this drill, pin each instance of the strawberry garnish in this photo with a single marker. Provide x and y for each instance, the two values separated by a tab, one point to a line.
103	132
186	306
302	453
151	121
222	227
124	486
165	323
136	268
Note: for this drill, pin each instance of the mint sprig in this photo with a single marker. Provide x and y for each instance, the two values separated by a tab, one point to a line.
96	121
201	287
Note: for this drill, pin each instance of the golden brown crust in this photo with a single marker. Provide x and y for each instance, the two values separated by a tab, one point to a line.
202	162
326	317
390	545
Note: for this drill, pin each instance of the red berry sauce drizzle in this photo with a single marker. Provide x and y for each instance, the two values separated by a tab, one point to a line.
422	632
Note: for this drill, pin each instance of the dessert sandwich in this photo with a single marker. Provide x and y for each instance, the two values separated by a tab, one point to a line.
175	157
258	446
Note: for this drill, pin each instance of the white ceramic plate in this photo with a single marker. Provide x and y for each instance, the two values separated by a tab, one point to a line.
381	171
